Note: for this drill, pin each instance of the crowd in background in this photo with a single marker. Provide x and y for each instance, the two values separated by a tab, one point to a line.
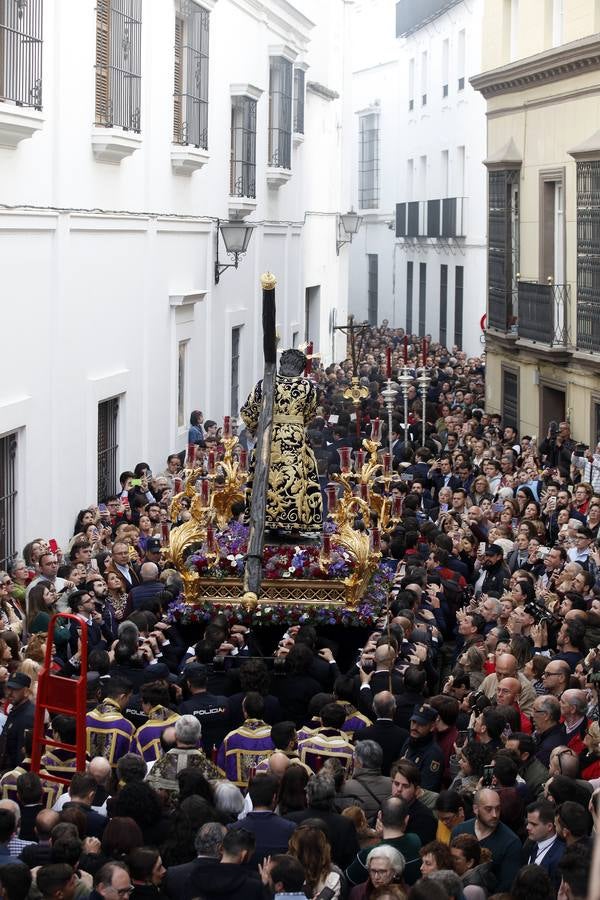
454	754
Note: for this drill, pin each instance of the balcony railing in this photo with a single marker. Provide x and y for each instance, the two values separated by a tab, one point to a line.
438	219
543	312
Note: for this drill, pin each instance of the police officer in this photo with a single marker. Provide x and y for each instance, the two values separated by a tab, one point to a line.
421	747
19	719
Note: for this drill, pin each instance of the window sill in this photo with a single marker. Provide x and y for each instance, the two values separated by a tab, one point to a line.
18	123
185	160
298	137
111	145
276	177
240	207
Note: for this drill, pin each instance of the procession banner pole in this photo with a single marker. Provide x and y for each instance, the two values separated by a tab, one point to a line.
260	483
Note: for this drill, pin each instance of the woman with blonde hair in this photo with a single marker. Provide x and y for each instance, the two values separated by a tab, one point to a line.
366	836
31	669
311	848
590	759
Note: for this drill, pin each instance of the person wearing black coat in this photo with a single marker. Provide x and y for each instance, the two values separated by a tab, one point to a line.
18	721
385	732
341	832
181	882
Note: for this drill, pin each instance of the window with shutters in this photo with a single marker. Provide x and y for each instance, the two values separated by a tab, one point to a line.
280	113
422	298
190	96
443	305
510	398
21	52
236	334
409	296
372	287
368	161
243	147
459	282
8	498
118	63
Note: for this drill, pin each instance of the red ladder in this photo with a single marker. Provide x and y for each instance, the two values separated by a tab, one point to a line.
58	694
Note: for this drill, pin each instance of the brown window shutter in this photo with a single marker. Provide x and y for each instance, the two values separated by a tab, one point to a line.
178	136
102	62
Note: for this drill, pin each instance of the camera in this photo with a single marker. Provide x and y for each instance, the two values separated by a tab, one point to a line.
580	449
553	429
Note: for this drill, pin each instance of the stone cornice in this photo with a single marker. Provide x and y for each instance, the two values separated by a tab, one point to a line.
321	91
542	68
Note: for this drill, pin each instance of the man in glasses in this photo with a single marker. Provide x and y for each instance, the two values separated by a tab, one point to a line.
112	881
556	677
549	732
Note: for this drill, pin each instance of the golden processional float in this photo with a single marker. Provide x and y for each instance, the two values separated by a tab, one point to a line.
337	573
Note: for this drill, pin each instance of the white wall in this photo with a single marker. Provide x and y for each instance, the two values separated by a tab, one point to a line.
382	82
93	277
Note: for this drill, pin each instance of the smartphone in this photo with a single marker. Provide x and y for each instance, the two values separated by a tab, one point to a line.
497	507
103	510
482	546
461	738
52	543
406	477
488	776
136	482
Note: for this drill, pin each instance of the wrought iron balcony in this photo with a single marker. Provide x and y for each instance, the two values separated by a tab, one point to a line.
543	312
437	219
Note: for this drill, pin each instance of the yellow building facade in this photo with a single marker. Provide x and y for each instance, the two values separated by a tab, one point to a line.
541	80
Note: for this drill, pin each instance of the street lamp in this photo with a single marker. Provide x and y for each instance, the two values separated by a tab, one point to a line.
347	225
236	237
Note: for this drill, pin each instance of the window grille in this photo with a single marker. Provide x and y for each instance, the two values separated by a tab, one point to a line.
280	113
190	104
299	77
443	305
422	298
368	162
21	52
373	276
8	499
118	63
108	447
181	382
588	255
459	280
242	176
409	296
236	334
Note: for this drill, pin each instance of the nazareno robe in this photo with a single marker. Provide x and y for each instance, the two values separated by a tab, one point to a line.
294	497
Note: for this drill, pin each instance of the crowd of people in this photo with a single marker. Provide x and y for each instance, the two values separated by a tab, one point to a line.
454	754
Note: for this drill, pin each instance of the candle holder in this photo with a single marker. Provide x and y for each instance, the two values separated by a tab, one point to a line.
405	380
423	382
389	398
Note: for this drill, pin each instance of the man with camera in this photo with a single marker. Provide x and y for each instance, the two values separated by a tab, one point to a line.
556	449
588	464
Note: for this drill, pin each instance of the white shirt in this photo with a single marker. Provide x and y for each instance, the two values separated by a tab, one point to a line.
542	849
124	572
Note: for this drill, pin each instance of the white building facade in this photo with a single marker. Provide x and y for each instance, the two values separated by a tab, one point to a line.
127	129
419	259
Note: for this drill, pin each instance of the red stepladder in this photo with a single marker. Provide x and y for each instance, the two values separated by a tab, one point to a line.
66	696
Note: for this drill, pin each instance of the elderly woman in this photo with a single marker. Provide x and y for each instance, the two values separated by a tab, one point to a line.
385	865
